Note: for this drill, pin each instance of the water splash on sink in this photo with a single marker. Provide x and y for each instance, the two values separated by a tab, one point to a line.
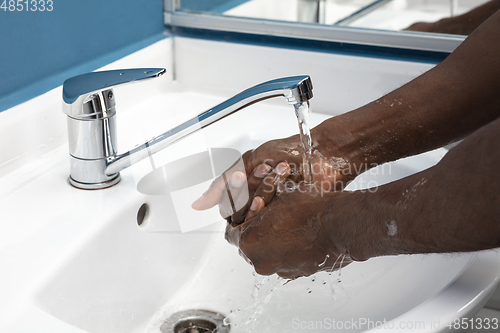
247	318
264	287
334	275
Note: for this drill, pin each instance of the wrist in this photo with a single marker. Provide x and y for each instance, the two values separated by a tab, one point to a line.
358	224
338	138
365	137
344	221
362	236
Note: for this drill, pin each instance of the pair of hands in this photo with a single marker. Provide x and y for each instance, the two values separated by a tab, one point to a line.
280	224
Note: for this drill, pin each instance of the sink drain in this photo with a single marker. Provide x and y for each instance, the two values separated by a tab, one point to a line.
195	321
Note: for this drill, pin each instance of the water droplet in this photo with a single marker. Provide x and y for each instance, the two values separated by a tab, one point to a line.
309	290
324	261
313	278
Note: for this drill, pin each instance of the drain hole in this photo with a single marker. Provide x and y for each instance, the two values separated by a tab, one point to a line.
195	326
142	214
195	321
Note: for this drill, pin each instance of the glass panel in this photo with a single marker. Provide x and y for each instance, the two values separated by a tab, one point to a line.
392	15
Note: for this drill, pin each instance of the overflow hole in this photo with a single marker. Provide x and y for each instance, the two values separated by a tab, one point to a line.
142	213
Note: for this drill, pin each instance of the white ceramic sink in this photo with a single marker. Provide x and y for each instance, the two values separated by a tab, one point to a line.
78	261
116	276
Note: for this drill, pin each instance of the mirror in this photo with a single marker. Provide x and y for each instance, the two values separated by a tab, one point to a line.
392	15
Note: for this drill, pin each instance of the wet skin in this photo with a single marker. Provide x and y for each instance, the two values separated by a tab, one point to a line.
295	231
331	171
455	205
459	25
441	209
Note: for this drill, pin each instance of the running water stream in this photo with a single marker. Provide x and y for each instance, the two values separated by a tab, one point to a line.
302	111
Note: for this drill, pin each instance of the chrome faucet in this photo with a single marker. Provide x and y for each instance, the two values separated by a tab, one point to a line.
89	102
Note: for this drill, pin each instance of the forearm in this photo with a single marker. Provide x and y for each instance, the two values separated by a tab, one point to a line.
443	105
466	23
452	207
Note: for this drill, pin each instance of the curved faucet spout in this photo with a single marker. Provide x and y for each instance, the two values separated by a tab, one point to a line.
296	89
89	103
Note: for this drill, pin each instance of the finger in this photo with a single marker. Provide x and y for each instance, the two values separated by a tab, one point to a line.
236	191
243	199
233	233
234	205
257	205
261	170
228	204
211	197
269	185
236	178
267	189
241	196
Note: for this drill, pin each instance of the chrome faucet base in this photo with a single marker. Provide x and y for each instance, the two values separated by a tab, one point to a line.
88	174
95	186
89	103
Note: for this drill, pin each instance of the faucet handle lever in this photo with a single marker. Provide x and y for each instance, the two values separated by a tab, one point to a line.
80	89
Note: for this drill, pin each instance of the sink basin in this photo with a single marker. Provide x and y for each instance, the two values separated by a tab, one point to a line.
119	276
125	259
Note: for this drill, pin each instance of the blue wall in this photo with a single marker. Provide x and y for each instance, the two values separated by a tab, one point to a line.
39	50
